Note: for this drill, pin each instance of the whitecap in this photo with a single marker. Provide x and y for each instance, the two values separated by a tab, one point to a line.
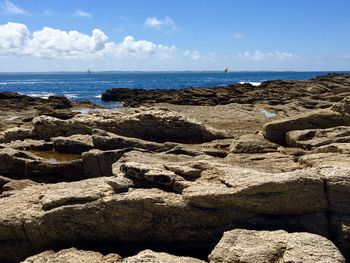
43	95
71	95
251	82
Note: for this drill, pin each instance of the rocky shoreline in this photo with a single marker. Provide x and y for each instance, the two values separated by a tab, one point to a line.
229	174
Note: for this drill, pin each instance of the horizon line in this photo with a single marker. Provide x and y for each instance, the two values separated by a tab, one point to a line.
163	71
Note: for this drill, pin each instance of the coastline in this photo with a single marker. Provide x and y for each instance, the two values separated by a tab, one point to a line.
186	172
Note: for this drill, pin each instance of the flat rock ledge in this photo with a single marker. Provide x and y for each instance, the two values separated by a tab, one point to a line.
159	184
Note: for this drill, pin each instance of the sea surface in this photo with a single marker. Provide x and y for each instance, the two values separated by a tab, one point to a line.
89	86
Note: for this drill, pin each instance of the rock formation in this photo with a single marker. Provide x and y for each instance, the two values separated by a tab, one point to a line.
172	183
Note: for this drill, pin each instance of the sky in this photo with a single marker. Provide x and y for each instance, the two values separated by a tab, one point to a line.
169	35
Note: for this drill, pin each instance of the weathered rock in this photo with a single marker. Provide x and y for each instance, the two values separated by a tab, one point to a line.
14	185
321	159
73	255
342	148
251	246
24	165
17	133
265	193
149	256
272	162
29	145
153	125
75	144
276	131
311	94
252	143
98	163
168	171
310	139
46	127
103	210
109	141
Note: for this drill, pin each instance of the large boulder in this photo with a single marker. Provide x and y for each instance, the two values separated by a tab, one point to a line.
337	115
276	131
249	246
148	124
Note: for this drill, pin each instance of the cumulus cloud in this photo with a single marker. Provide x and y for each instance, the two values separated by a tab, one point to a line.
53	43
14	38
166	23
261	56
10	8
81	13
238	36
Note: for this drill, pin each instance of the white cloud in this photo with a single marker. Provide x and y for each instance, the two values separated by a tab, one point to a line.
166	23
13	38
194	55
261	56
53	43
10	8
238	36
81	13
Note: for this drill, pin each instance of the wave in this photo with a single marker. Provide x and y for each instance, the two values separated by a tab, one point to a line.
43	95
254	83
70	95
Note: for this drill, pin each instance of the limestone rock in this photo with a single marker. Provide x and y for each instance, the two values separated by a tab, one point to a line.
16	133
276	131
73	255
327	158
25	165
173	172
252	143
108	141
98	163
147	124
29	145
296	192
310	139
149	256
342	148
75	144
103	210
272	162
251	246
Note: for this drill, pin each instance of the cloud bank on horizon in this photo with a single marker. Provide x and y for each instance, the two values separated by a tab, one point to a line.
153	40
50	43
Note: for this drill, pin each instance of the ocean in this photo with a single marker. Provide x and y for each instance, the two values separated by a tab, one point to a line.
89	86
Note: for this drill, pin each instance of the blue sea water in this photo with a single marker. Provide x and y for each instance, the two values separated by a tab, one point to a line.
85	86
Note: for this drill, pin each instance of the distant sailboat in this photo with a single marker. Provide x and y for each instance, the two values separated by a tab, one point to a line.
226	70
89	71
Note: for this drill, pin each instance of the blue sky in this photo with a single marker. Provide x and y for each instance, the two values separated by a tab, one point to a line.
67	35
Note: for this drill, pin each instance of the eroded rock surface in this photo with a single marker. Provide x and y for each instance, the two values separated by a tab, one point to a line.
251	246
149	124
160	178
73	255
